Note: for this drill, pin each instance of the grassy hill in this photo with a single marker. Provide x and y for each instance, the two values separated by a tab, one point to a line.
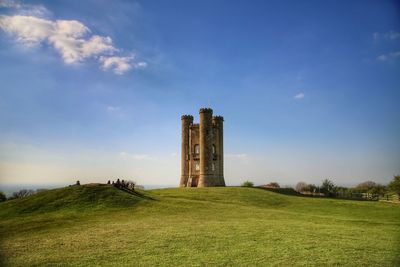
101	225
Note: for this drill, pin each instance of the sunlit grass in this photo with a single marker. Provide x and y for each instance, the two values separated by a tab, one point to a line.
100	225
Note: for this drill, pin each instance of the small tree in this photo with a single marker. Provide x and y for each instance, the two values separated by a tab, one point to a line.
366	186
378	189
312	188
328	188
2	197
301	187
247	184
394	185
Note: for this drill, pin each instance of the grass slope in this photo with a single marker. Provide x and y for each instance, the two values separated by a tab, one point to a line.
100	225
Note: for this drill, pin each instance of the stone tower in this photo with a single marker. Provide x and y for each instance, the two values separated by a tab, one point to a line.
202	150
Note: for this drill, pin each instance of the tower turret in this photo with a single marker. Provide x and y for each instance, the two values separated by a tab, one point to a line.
187	120
218	122
206	143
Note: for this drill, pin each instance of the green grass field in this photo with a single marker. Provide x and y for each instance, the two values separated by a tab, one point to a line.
104	226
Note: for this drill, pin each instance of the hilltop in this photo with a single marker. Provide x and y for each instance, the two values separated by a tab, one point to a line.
72	198
101	225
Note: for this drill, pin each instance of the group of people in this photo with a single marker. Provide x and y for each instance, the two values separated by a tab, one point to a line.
122	184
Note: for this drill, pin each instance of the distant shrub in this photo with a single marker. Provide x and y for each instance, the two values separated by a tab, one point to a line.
366	186
2	197
247	184
22	193
301	187
394	185
284	190
272	185
305	188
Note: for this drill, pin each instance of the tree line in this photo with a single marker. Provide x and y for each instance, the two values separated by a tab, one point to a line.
368	189
364	190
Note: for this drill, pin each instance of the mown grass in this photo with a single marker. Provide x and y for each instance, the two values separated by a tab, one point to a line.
103	226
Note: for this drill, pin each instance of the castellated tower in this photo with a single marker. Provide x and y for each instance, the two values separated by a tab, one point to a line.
202	150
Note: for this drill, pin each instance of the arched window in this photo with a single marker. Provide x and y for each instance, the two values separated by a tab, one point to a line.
196	149
214	150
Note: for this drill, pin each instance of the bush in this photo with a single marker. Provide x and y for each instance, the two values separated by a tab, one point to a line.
2	197
41	190
272	185
247	184
394	185
22	193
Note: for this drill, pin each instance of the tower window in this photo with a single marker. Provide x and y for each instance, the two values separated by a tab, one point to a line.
196	149
214	150
213	166
197	166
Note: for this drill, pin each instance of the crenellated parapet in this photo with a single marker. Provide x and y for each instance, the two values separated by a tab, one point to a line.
206	110
217	120
187	117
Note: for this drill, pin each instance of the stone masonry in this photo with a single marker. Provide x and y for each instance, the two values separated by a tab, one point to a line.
202	150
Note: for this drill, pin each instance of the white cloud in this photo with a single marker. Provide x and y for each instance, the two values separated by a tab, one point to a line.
299	96
27	29
72	40
119	65
140	65
389	57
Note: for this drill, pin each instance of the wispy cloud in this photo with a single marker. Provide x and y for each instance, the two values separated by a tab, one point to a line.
389	57
391	35
112	108
10	4
237	156
136	156
70	38
299	96
120	65
25	9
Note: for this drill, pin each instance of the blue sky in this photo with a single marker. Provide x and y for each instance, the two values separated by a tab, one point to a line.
92	90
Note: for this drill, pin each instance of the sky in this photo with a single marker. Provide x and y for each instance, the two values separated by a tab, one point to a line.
93	90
